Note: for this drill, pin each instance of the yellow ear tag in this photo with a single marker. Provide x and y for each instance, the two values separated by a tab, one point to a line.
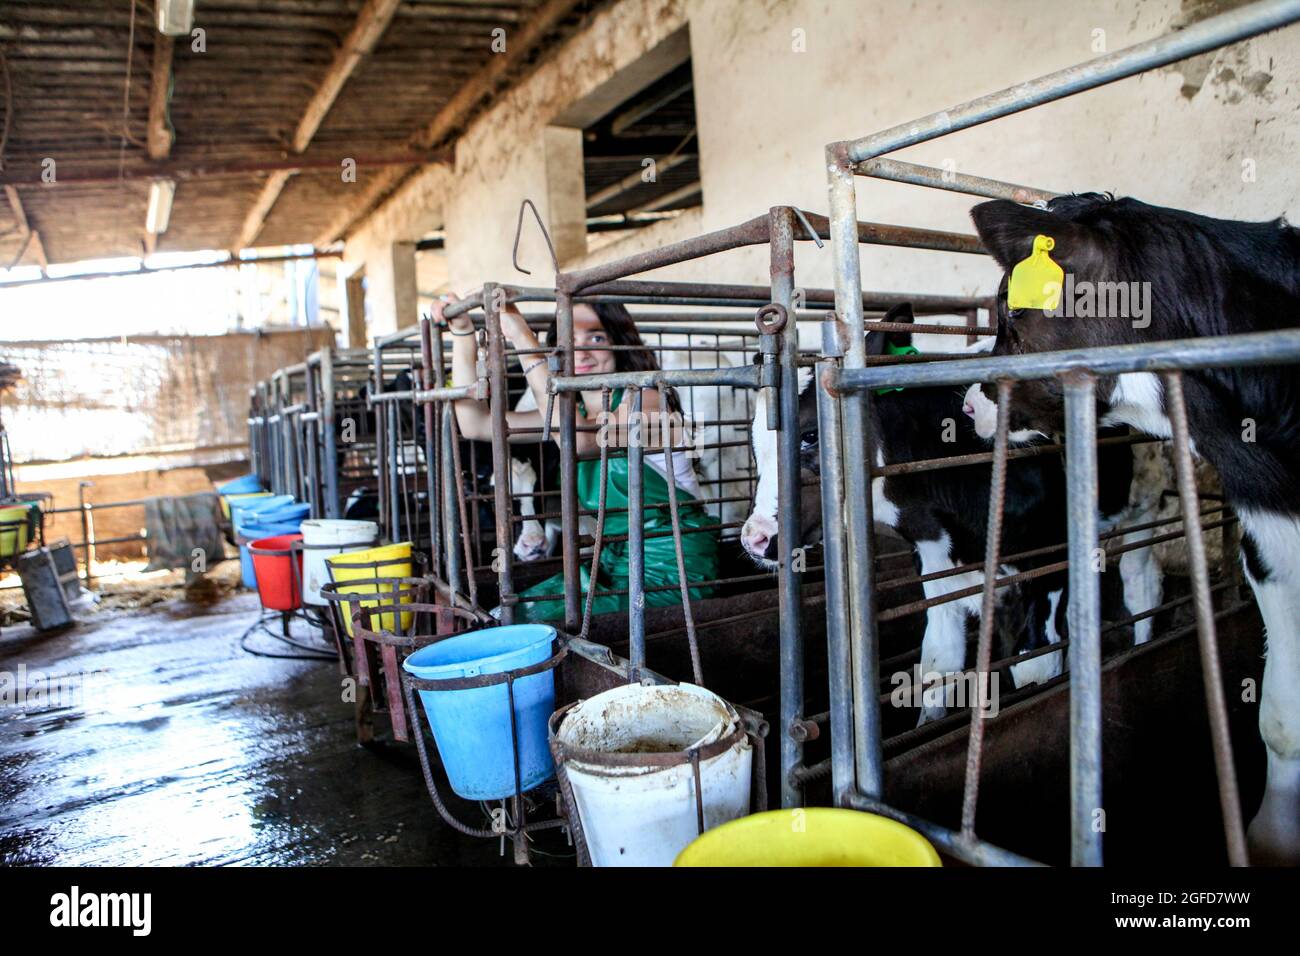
1036	282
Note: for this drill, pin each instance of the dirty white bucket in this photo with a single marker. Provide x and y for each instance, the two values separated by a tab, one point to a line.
323	538
645	815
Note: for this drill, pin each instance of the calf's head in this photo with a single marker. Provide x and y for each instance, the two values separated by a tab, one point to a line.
759	534
1132	273
1081	249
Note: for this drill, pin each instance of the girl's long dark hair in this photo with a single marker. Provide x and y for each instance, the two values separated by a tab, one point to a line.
618	325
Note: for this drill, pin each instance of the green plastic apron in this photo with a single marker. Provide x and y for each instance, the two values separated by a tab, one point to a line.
699	544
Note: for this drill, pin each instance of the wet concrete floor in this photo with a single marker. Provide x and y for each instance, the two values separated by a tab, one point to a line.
170	745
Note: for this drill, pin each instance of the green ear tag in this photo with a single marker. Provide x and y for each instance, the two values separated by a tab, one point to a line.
1036	282
896	350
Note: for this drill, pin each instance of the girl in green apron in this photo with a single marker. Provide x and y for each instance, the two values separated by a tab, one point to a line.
595	329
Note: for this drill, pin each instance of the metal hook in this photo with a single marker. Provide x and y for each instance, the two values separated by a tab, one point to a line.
812	233
519	230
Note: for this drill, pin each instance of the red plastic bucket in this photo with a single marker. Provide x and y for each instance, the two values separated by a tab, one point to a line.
279	575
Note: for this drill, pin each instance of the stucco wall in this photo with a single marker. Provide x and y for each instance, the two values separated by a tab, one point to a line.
1177	136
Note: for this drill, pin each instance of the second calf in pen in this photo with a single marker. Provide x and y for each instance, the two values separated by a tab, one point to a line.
943	514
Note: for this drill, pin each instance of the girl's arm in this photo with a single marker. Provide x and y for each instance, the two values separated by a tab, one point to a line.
474	417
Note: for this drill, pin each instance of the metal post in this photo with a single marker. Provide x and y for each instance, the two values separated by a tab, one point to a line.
984	649
330	438
450	481
568	467
498	400
432	358
311	439
839	656
392	439
1083	614
857	485
381	440
1215	704
311	446
87	529
635	539
789	527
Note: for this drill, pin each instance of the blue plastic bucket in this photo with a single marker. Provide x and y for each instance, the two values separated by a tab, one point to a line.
243	485
472	727
288	513
252	506
247	513
251	528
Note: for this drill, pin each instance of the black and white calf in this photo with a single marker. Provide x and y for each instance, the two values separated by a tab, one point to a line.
944	514
1199	277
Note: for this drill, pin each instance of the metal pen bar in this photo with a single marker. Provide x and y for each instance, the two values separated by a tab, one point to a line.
498	400
984	647
897	171
1209	34
449	393
598	542
1246	349
1207	640
393	439
736	296
789	530
747	233
432	371
688	616
839	656
568	411
450	481
747	376
1083	615
907	237
846	338
458	488
955	845
635	538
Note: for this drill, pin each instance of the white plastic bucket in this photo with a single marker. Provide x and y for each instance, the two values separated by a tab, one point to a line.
645	815
323	538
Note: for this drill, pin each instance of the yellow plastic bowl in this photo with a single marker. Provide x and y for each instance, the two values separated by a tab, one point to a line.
227	499
13	537
400	556
812	836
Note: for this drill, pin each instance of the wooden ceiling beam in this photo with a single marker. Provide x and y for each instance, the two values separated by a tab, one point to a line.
520	46
256	218
372	21
160	81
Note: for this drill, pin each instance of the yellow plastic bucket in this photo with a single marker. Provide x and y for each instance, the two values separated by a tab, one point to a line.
400	556
812	836
13	537
227	499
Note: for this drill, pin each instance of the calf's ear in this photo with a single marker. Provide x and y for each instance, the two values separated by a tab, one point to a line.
876	341
901	313
1007	230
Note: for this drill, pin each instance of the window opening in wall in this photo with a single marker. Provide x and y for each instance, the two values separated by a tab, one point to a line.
641	159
